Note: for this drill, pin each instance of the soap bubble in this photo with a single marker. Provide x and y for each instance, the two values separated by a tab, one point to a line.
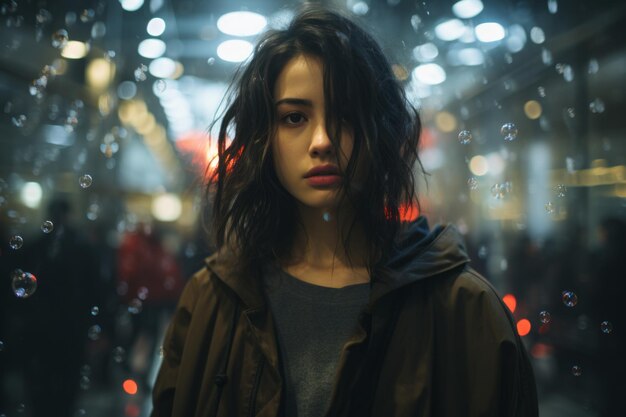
593	66
135	306
43	16
16	242
499	191
60	38
541	91
18	121
85	181
24	284
571	112
597	106
545	317
119	354
606	327
47	226
472	183
568	73
509	131
549	207
87	15
560	190
210	61
570	299
84	382
94	332
576	370
95	310
465	137
160	86
142	293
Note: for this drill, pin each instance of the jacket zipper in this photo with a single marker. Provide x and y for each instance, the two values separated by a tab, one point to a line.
255	388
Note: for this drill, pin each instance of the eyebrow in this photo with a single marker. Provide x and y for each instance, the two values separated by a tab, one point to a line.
295	101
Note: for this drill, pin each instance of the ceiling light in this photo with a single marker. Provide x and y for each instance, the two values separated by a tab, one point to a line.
469	56
162	67
516	40
75	50
131	5
466	9
151	48
156	26
489	32
167	207
430	74
241	23
31	194
426	52
450	30
234	50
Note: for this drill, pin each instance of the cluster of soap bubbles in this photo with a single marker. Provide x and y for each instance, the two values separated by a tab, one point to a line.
501	190
38	86
60	38
140	73
508	131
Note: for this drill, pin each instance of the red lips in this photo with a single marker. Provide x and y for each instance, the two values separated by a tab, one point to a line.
322	170
323	176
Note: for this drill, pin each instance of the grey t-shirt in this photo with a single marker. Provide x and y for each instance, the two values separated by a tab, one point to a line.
312	324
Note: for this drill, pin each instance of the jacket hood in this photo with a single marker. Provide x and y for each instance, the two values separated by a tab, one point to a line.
419	253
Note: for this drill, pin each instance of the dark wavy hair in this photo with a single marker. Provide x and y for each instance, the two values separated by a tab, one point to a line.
250	208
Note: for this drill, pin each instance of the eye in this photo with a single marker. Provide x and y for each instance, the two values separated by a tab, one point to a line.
293	118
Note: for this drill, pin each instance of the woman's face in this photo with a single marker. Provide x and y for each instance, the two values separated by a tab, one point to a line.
305	160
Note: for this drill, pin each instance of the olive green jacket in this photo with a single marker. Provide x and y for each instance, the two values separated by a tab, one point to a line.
434	340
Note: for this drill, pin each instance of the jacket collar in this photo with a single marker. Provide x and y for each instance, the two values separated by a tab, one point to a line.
420	254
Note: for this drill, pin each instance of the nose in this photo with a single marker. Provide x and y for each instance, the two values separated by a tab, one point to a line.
320	145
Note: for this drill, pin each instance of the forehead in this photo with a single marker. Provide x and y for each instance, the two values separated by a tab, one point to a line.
301	76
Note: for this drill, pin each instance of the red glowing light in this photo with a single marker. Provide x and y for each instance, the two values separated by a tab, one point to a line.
130	387
523	327
409	212
510	302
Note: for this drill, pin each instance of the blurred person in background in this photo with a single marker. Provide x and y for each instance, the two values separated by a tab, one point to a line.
50	327
149	284
320	300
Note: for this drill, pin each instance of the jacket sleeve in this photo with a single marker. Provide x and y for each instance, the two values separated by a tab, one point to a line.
173	347
488	369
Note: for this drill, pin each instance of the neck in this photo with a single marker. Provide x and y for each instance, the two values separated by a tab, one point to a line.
319	242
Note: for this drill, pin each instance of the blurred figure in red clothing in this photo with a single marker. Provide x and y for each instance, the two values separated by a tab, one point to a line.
149	284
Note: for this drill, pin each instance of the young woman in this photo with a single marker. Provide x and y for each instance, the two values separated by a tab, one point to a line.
320	301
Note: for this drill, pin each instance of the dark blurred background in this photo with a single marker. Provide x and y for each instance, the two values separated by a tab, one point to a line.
104	140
